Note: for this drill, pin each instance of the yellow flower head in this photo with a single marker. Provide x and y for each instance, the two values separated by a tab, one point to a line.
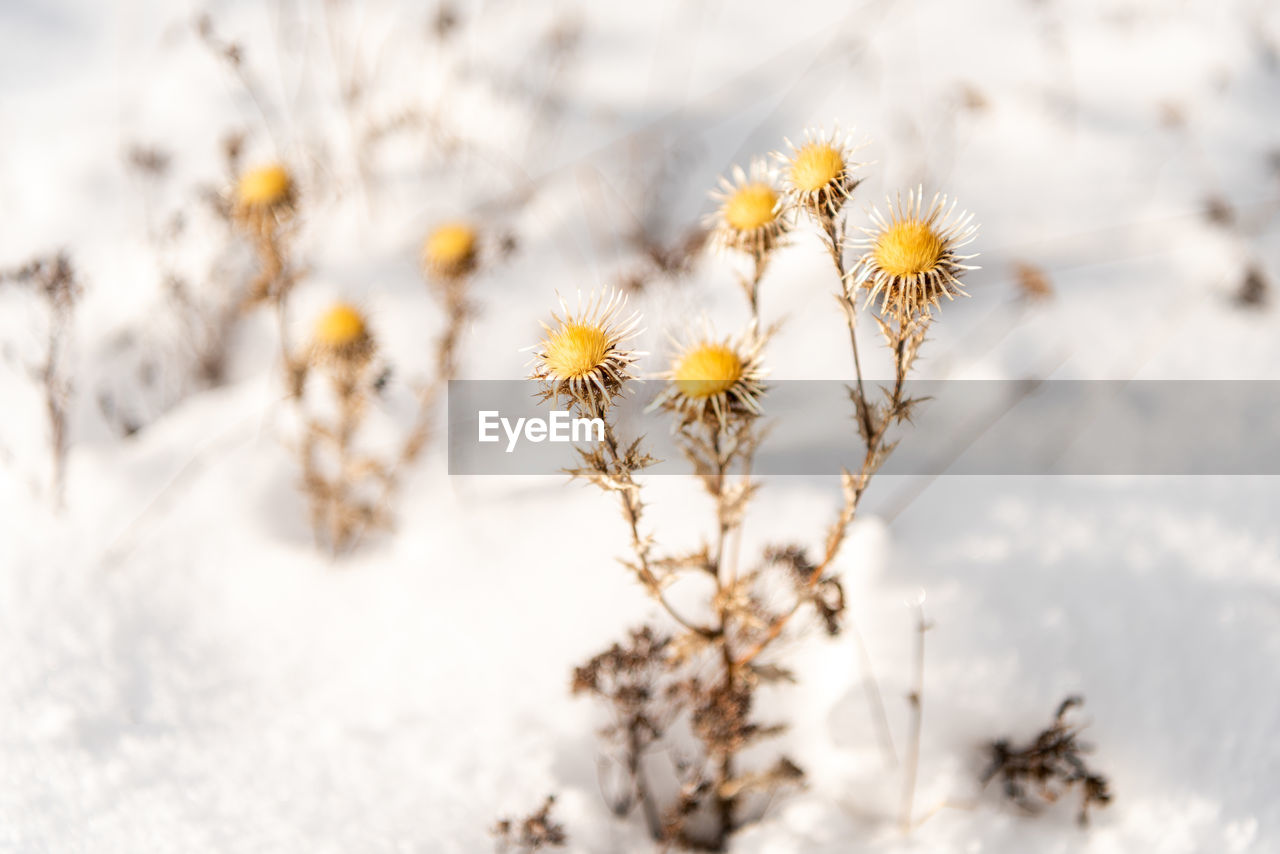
819	172
706	370
341	333
750	216
750	207
264	187
815	166
908	248
576	349
909	258
581	355
714	379
450	251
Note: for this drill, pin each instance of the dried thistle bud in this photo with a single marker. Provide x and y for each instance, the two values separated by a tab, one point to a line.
582	355
910	260
450	251
819	172
715	379
266	191
342	336
751	214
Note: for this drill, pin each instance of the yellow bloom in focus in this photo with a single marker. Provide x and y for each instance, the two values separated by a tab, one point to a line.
576	349
715	379
908	248
815	166
750	213
582	357
819	172
909	258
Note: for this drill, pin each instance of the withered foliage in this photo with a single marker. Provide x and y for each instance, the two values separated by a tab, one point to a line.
342	483
701	681
662	260
1052	764
1033	282
54	280
534	832
1253	291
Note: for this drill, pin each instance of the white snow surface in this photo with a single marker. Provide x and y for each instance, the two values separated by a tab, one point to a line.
181	671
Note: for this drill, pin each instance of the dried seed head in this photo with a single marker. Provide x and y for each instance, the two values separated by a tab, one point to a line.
714	378
751	213
909	259
266	188
582	357
341	334
450	252
819	172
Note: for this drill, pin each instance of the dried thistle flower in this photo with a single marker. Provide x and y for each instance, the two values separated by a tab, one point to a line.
450	251
264	192
819	172
711	379
910	260
582	356
751	214
341	335
340	481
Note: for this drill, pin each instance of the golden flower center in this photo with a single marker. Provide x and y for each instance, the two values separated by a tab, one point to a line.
263	186
576	350
451	244
339	326
815	166
707	370
751	207
908	248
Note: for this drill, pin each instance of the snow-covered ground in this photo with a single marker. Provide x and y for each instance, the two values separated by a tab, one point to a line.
181	671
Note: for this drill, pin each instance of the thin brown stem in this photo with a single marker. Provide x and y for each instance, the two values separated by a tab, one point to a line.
628	497
875	700
916	702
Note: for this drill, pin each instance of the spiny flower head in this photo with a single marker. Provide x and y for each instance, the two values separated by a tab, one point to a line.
714	378
581	355
909	258
819	172
751	213
265	188
450	251
341	333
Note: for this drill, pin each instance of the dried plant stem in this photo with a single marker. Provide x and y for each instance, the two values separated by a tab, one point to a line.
854	488
727	520
55	280
833	232
915	701
640	783
57	392
446	364
875	700
632	508
751	286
